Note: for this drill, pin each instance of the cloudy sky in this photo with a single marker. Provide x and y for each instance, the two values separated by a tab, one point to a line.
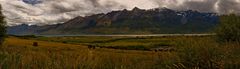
57	11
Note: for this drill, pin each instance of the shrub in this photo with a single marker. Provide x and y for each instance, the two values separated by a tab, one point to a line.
199	54
27	36
229	28
35	44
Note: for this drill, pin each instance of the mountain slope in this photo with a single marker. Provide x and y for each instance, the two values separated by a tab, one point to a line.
136	21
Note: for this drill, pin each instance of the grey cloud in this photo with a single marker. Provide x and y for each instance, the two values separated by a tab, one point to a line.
53	11
218	6
94	2
228	6
203	6
56	11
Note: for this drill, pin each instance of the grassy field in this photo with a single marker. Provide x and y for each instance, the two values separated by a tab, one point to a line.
118	53
126	43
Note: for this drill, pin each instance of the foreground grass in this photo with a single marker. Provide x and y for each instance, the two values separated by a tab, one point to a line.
191	52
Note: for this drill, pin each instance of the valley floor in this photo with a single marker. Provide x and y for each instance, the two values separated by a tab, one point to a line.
118	53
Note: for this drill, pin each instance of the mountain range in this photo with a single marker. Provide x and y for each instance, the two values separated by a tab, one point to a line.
135	21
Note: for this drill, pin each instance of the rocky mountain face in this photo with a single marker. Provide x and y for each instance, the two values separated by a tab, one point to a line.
135	21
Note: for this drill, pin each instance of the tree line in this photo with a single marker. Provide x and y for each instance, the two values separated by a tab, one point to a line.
2	26
229	28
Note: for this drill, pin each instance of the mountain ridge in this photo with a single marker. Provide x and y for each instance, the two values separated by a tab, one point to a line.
135	21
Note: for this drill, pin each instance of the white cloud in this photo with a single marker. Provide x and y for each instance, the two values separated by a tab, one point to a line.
56	11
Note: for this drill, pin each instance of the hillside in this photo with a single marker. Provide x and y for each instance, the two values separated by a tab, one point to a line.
135	21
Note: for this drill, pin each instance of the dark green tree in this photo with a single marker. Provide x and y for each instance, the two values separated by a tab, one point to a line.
2	27
229	28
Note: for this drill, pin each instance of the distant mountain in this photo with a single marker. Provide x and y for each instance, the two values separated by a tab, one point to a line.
136	21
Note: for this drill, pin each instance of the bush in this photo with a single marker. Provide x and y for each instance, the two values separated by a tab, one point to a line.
35	44
27	36
199	54
229	28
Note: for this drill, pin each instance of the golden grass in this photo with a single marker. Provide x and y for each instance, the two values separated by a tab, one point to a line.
13	41
51	55
190	53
